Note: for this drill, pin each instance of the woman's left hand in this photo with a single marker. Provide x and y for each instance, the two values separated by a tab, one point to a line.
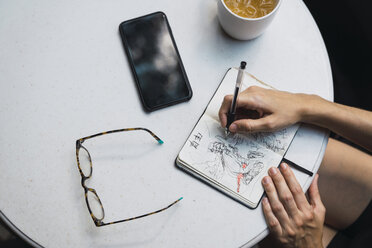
292	220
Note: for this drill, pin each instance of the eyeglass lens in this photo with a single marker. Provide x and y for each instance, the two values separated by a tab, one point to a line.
95	205
85	162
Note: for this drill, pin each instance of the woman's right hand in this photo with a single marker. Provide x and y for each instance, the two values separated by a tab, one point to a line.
273	109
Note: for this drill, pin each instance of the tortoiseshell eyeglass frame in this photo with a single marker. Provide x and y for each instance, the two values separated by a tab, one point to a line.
99	221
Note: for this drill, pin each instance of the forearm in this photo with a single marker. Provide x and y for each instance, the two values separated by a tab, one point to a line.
351	123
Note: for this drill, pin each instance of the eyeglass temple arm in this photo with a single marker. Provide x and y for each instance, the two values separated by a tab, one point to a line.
141	216
121	130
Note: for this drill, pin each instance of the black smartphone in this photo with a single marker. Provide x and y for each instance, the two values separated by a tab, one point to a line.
155	61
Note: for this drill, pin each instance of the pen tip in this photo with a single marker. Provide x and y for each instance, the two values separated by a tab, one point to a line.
242	65
227	132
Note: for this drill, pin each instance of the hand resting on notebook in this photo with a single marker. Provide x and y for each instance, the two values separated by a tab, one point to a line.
292	220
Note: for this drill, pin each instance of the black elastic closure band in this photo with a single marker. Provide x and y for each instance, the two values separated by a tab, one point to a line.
296	166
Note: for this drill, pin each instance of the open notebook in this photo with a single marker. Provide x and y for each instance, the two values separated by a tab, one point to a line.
237	163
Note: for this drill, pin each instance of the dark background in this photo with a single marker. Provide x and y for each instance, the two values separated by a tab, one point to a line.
346	29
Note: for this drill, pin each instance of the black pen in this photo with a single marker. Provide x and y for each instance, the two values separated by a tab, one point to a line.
232	110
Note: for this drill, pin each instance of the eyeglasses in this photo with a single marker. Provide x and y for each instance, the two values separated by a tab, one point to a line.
84	162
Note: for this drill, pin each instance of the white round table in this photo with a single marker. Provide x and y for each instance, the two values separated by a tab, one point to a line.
64	75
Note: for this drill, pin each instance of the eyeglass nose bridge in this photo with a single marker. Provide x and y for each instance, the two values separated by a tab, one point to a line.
83	179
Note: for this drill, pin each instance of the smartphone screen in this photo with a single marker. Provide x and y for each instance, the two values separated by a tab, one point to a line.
155	61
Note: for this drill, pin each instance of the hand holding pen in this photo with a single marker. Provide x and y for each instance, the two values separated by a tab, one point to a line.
232	111
227	113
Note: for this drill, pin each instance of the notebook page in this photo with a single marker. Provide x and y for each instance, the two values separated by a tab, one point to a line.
237	162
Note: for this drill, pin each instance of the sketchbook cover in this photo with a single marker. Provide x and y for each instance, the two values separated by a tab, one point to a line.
237	163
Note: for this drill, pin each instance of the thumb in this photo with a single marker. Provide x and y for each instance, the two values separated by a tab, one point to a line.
264	124
314	193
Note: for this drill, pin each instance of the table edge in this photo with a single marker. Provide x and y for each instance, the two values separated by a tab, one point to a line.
18	232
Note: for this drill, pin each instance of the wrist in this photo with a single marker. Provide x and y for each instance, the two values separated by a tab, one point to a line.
312	109
312	241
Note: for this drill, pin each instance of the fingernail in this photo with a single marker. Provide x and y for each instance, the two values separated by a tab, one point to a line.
265	200
233	128
266	180
283	166
273	170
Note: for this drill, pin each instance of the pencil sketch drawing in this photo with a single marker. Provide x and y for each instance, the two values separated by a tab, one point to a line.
230	161
239	157
273	141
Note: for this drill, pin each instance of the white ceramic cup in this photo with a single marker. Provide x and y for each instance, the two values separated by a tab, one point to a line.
242	28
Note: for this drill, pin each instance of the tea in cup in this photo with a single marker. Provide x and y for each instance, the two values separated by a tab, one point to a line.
246	19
